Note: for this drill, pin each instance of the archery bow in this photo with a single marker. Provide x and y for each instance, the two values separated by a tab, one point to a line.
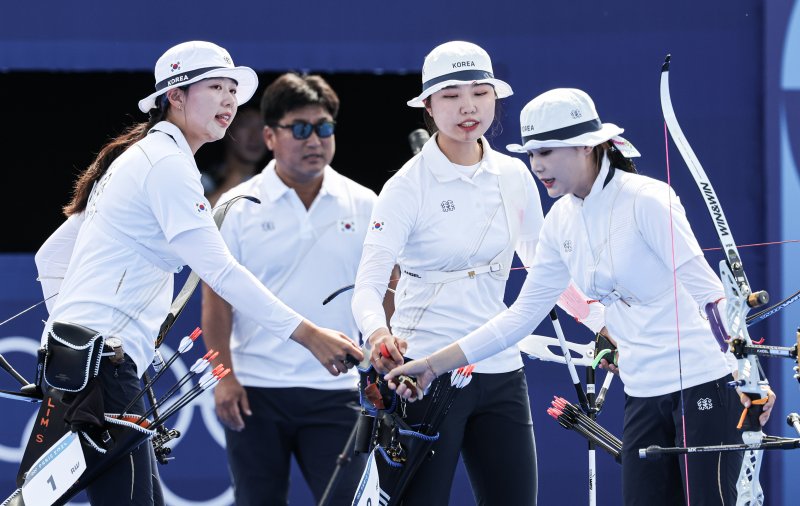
740	298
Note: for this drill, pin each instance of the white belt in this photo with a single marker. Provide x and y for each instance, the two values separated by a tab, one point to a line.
615	295
448	276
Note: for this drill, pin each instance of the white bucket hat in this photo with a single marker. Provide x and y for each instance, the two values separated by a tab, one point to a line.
566	117
454	63
190	62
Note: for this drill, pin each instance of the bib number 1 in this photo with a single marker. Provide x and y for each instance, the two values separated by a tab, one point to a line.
55	471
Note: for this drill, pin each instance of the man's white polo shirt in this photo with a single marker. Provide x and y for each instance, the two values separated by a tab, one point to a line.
302	256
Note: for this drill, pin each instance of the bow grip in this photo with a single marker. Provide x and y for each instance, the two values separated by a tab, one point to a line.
603	346
749	422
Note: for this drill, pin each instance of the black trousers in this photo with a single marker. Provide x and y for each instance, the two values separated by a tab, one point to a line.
313	425
490	424
132	480
711	413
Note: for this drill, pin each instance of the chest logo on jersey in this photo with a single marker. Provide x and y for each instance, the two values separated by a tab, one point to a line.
568	246
201	207
347	226
704	404
377	226
268	226
447	206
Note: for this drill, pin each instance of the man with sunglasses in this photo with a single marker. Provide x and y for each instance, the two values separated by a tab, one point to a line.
303	242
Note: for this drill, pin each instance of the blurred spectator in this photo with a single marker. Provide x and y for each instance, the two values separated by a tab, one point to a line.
242	157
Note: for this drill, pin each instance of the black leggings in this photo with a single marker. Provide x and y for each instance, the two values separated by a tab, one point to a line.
134	479
711	413
490	424
311	424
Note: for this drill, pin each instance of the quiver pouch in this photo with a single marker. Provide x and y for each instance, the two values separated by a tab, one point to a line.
73	356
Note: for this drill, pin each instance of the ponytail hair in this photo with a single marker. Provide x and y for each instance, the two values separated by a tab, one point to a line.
110	152
614	157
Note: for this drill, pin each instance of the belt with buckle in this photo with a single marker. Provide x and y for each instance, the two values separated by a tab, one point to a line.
112	348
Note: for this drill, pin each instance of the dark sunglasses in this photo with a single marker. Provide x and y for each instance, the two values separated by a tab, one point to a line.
302	129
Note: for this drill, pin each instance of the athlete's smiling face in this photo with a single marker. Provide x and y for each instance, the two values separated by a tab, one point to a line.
463	113
203	111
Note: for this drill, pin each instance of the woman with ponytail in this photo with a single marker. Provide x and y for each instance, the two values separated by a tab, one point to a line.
137	216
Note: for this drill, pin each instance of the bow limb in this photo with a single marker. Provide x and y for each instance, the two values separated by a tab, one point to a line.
740	298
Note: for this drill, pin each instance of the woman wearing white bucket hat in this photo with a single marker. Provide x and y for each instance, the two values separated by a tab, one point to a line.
136	217
608	220
452	218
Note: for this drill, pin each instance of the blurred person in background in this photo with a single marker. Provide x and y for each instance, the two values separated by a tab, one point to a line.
242	156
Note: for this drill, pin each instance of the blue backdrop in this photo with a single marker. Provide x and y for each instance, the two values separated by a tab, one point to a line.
782	142
734	87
